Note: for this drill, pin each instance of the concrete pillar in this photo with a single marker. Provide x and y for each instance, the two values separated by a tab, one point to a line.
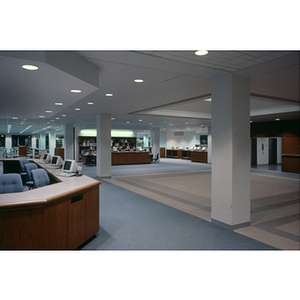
230	151
42	141
103	125
8	142
155	141
209	144
52	142
69	141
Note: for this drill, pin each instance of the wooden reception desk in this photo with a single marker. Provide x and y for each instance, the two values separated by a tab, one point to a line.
130	157
62	215
194	156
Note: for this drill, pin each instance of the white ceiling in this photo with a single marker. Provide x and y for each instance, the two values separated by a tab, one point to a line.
176	83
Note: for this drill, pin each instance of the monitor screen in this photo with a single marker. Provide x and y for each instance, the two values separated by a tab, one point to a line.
45	156
54	160
67	165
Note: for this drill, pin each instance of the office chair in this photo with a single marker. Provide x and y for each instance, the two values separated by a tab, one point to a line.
10	183
23	162
40	178
90	160
155	159
29	180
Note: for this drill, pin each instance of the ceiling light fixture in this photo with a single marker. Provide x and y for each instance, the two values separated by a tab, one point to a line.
140	120
208	100
76	91
90	103
127	122
201	52
30	67
109	95
112	118
59	103
48	111
57	118
63	115
138	80
8	128
15	118
77	108
41	116
277	119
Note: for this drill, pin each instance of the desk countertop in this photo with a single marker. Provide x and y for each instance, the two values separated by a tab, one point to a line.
45	195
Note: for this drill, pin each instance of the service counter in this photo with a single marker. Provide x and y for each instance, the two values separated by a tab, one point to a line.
199	156
193	155
130	157
62	215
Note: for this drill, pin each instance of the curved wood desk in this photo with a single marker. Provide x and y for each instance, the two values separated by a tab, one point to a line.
61	216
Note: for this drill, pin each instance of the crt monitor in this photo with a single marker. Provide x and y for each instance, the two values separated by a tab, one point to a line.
71	166
57	161
47	157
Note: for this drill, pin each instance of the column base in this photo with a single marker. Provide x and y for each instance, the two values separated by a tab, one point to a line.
230	227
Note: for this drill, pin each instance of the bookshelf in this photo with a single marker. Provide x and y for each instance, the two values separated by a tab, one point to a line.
123	142
84	144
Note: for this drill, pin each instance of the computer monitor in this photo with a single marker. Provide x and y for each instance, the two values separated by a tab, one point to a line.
57	161
71	166
47	158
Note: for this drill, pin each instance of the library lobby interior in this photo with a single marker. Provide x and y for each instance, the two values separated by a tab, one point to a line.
137	143
210	135
168	152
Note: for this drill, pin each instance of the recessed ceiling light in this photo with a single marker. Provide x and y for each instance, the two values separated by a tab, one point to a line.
277	119
57	118
201	52
90	103
112	118
150	123
63	115
208	100
186	122
109	95
59	103
49	111
77	108
138	80
30	67
15	118
41	116
75	91
127	122
140	120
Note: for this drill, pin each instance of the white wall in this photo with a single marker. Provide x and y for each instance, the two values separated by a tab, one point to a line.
188	139
163	139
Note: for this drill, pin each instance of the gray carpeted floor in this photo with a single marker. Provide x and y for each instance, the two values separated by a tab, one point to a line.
131	221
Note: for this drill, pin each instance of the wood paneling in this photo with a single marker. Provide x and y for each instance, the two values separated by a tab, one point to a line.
162	152
197	156
91	213
76	223
56	226
290	164
22	229
126	158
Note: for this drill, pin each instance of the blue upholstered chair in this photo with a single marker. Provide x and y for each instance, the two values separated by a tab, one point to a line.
10	183
23	162
40	178
29	167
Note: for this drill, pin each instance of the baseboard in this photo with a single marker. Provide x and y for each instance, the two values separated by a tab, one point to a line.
230	227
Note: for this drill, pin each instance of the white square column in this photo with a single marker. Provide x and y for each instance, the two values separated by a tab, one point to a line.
103	123
230	205
52	142
69	141
155	141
